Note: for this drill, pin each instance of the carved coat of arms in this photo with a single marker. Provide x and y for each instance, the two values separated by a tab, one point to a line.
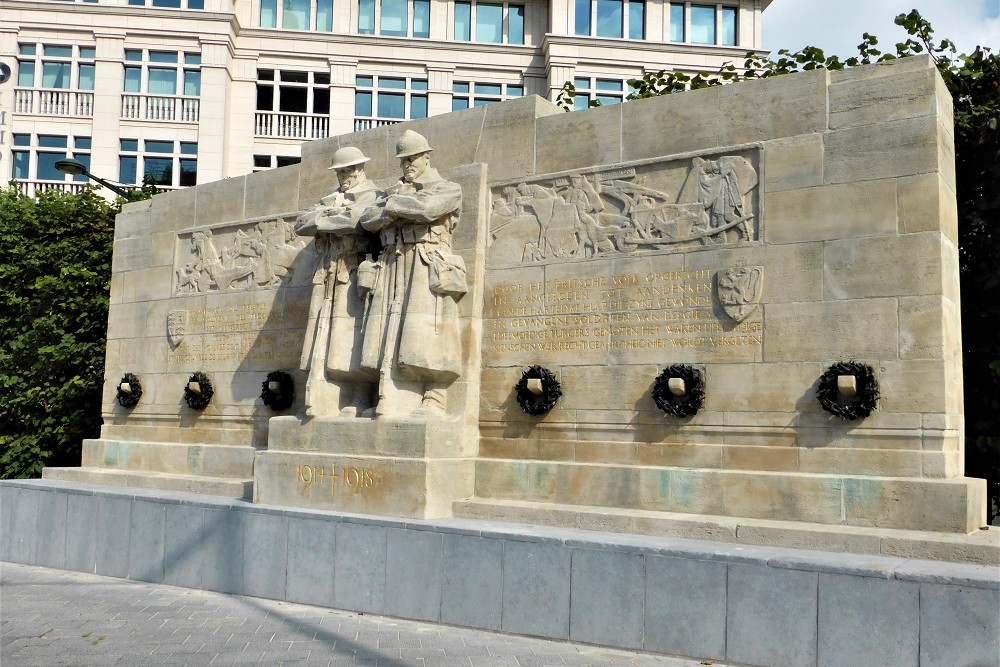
177	323
739	290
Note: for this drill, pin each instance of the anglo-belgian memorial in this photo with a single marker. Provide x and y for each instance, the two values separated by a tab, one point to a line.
728	315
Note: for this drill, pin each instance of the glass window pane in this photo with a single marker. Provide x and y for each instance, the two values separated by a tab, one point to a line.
162	81
133	79
22	139
579	83
293	99
21	162
702	24
421	18
460	87
463	21
159	169
636	19
391	105
189	173
489	23
82	142
196	4
130	144
366	17
605	100
57	51
52	141
581	102
286	160
88	52
46	166
262	161
162	56
25	73
295	14
55	75
395	84
192	83
459	103
126	169
609	18
170	4
394	18
321	78
418	84
515	91
479	102
137	2
515	24
84	159
26	49
159	146
728	36
363	104
324	15
192	58
608	84
676	23
189	148
133	54
321	101
268	13
86	77
418	107
363	81
583	17
487	88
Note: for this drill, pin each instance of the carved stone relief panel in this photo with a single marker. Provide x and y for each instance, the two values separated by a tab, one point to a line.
262	253
671	205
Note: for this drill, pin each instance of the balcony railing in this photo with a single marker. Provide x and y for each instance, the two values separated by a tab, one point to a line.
35	188
173	108
53	102
369	123
291	125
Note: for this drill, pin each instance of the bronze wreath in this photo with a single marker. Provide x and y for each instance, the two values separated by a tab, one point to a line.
198	401
537	404
845	407
129	399
680	406
281	399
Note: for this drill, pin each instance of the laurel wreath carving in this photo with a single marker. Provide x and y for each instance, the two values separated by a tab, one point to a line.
129	399
541	403
281	399
199	401
835	403
680	406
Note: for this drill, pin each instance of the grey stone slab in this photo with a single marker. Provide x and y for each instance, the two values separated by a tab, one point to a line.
536	589
959	626
867	621
9	494
114	517
955	574
472	581
50	550
183	545
309	576
686	607
861	565
771	616
24	527
359	567
81	533
606	585
146	541
265	555
222	568
413	574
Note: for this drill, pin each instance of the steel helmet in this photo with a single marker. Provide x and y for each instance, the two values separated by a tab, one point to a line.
412	143
348	157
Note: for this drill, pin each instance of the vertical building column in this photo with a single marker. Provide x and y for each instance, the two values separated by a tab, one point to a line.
106	131
656	20
439	89
748	25
561	17
342	73
441	19
559	72
8	54
215	109
241	115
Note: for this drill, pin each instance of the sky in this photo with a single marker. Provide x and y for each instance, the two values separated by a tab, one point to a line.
836	26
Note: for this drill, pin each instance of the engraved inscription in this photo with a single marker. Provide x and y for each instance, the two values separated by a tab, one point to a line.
339	479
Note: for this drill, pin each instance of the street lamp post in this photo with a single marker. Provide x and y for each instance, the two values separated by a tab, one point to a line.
77	168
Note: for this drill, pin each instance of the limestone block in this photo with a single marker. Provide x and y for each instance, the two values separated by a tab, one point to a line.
471	581
596	597
679	454
50	540
309	576
869	101
831	212
746	457
758	110
856	461
794	162
507	142
908	265
409	552
81	541
822	331
146	548
225	535
536	589
929	328
687	614
272	191
359	568
173	210
889	68
946	464
114	518
454	138
183	560
132	254
914	386
133	222
582	139
220	201
671	124
265	554
633	382
793	272
163	246
756	388
928	504
927	204
887	150
958	625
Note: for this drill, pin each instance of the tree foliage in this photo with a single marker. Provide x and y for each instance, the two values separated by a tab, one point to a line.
974	83
55	271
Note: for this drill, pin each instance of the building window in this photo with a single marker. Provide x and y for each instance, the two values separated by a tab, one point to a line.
466	94
603	91
162	72
165	163
55	66
703	24
611	18
293	91
297	14
496	23
381	100
168	4
264	162
395	18
35	155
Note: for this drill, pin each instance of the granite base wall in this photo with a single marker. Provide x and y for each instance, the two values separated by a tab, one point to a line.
744	604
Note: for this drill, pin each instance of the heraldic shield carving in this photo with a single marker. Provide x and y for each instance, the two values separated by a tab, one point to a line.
739	290
177	323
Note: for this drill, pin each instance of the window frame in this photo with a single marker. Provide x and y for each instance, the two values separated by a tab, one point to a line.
34	148
180	152
38	59
187	62
276	83
592	27
719	27
375	16
471	95
409	91
505	32
195	5
593	91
